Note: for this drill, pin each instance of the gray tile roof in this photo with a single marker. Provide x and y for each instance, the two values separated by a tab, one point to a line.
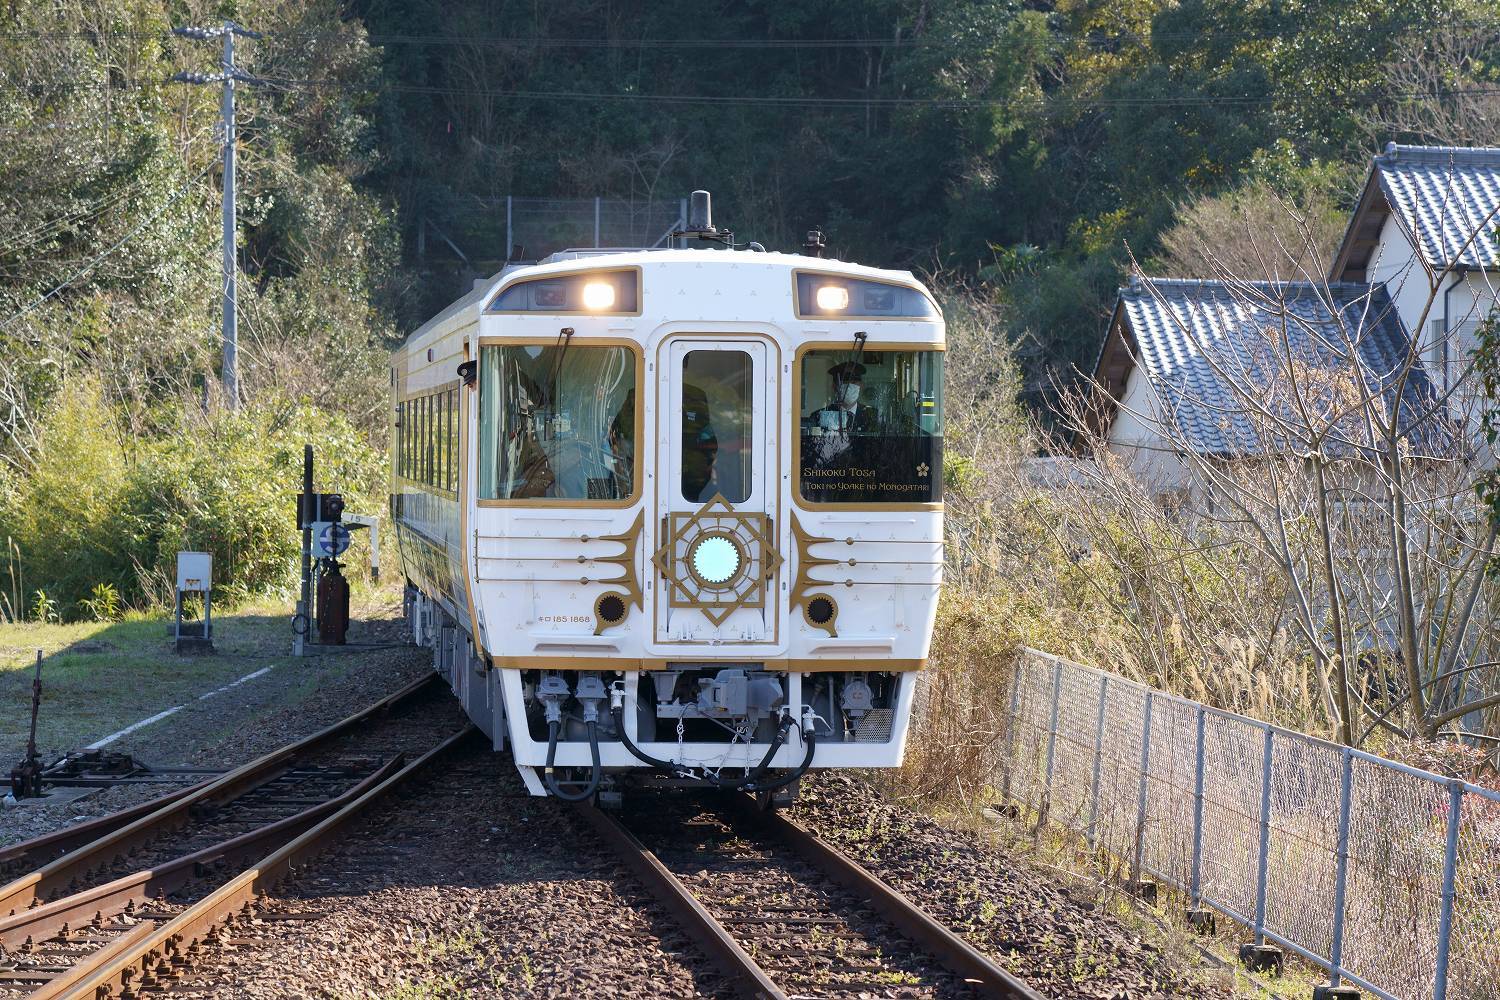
1444	195
1206	346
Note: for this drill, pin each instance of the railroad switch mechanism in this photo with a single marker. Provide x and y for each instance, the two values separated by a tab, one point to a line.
1335	993
26	777
322	616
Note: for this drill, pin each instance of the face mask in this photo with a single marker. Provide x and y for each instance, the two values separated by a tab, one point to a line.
850	395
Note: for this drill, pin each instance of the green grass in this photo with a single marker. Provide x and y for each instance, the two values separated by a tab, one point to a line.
100	677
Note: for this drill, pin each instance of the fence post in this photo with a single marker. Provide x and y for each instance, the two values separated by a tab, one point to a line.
1265	840
1051	740
1098	760
510	244
1341	869
1140	809
596	223
1450	876
1195	892
1010	727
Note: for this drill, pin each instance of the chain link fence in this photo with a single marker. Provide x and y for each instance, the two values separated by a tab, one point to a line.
1385	875
545	225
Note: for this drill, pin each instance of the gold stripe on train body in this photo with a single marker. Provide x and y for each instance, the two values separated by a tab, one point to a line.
801	665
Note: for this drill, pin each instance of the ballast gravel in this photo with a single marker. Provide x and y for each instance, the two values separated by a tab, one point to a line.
1054	936
470	888
465	888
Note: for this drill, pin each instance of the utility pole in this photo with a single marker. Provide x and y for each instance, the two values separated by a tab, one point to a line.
228	75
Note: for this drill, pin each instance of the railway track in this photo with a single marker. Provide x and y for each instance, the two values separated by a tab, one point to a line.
784	914
137	906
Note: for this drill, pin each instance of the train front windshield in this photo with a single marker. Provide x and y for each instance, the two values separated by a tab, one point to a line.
557	422
871	426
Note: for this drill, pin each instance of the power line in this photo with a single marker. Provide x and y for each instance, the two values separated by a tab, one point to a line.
99	258
861	103
1098	35
18	242
1051	103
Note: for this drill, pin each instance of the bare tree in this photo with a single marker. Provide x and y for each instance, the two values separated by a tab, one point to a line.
1443	91
1349	469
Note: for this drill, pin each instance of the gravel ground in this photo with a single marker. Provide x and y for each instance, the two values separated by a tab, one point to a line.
1054	936
295	699
470	889
473	889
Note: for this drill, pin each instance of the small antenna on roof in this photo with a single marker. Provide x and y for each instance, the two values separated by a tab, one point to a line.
815	244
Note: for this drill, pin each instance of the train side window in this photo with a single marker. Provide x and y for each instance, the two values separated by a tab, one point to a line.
406	439
557	421
871	427
451	482
428	457
440	450
717	425
425	447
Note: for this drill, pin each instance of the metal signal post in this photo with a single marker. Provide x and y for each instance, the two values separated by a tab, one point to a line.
228	75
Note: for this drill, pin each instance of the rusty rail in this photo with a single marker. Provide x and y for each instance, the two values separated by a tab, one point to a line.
736	964
56	875
113	897
177	942
916	923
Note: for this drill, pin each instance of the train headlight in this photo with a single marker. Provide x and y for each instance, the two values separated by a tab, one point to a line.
848	297
598	296
833	298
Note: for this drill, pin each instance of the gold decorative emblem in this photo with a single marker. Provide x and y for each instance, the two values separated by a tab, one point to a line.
922	469
718	559
611	607
802	595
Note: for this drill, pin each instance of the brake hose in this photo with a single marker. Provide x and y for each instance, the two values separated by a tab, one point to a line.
811	739
751	776
594	775
754	774
641	755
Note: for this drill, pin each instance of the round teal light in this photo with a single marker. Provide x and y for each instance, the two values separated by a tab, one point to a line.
715	560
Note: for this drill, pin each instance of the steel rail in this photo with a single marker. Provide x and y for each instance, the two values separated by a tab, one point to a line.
38	851
748	978
176	944
906	916
56	875
113	897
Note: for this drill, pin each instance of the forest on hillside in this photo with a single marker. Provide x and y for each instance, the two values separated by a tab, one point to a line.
1016	153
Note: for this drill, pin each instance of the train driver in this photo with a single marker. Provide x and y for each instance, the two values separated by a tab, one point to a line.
844	412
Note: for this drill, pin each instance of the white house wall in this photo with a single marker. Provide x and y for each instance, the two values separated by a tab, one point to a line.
1135	435
1461	302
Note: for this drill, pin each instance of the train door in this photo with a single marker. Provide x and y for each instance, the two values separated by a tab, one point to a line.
718	558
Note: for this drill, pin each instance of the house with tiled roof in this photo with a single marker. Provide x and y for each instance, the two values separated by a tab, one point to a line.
1424	227
1184	361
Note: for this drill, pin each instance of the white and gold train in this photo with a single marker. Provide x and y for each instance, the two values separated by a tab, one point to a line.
676	512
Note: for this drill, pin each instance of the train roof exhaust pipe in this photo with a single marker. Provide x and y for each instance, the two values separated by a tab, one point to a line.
700	222
701	212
